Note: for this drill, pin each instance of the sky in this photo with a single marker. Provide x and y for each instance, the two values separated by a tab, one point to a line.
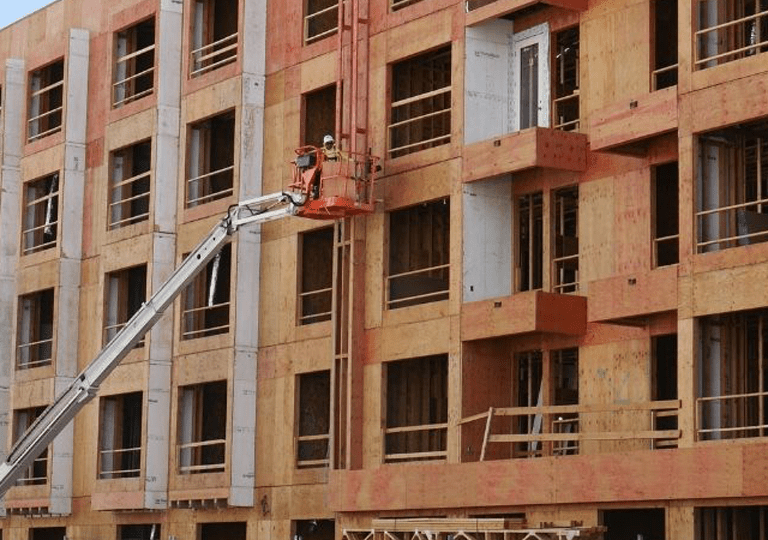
13	10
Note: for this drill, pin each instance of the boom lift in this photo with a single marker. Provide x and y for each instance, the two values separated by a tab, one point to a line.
344	189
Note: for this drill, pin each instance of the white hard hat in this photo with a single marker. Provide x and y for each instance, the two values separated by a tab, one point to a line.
327	139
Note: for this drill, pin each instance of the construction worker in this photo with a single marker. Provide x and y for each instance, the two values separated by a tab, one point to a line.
329	149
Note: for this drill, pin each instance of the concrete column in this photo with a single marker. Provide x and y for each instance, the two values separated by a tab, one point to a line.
166	151
243	461
10	225
68	298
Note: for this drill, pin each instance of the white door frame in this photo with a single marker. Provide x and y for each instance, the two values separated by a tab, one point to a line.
539	35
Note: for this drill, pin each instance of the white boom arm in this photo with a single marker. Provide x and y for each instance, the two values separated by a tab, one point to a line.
86	384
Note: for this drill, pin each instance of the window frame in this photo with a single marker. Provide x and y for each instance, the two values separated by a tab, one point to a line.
536	35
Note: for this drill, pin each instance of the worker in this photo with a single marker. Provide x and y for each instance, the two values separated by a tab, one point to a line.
329	149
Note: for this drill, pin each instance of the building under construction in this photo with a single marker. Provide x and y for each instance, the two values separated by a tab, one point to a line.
553	324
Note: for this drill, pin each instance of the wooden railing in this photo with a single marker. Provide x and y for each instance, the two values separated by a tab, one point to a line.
562	425
213	55
202	184
392	457
560	122
306	463
734	217
122	205
29	478
111	330
315	306
117	456
734	32
660	243
34	123
317	18
664	77
732	417
560	265
193	454
434	277
124	87
194	321
33	238
443	138
37	353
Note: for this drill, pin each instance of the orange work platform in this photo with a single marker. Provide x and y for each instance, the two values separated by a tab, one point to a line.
337	188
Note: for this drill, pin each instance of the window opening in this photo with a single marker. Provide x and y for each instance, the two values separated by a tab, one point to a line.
211	159
130	185
528	392
202	427
664	385
205	302
35	332
640	523
416	409
729	30
530	244
126	291
139	532
419	246
120	437
46	91
314	422
664	31
565	264
420	112
315	296
220	531
732	188
319	115
37	473
665	214
41	214
729	522
134	75
214	35
314	529
48	533
565	104
733	376
321	20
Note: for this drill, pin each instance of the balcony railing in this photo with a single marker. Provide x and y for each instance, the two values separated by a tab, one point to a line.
202	321
213	55
50	117
201	189
123	90
310	448
665	250
400	131
111	330
124	206
34	354
426	435
732	417
417	286
664	77
564	108
120	463
566	273
202	456
315	306
36	474
560	429
321	24
740	37
746	220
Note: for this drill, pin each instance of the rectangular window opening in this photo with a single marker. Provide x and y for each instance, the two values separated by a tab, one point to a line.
126	291
46	101
319	115
35	330
645	523
565	102
530	241
419	262
730	522
416	409
664	53
420	111
205	302
202	428
729	30
37	473
665	214
214	35
48	533
314	419
314	529
134	70
315	295
211	159
130	185
321	19
565	228
732	187
40	214
226	530
120	436
664	385
139	532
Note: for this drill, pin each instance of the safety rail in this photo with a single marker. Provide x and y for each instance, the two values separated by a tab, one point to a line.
29	478
111	330
444	110
741	217
124	87
45	207
394	5
662	244
321	19
204	181
119	455
304	441
428	454
202	58
413	287
121	206
194	454
559	105
734	32
315	305
664	77
560	266
34	122
716	417
194	321
43	352
562	424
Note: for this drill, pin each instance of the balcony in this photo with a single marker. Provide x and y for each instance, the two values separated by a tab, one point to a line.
527	149
480	10
533	311
626	127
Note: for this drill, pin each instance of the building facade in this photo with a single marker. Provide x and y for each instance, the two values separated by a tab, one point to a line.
554	319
